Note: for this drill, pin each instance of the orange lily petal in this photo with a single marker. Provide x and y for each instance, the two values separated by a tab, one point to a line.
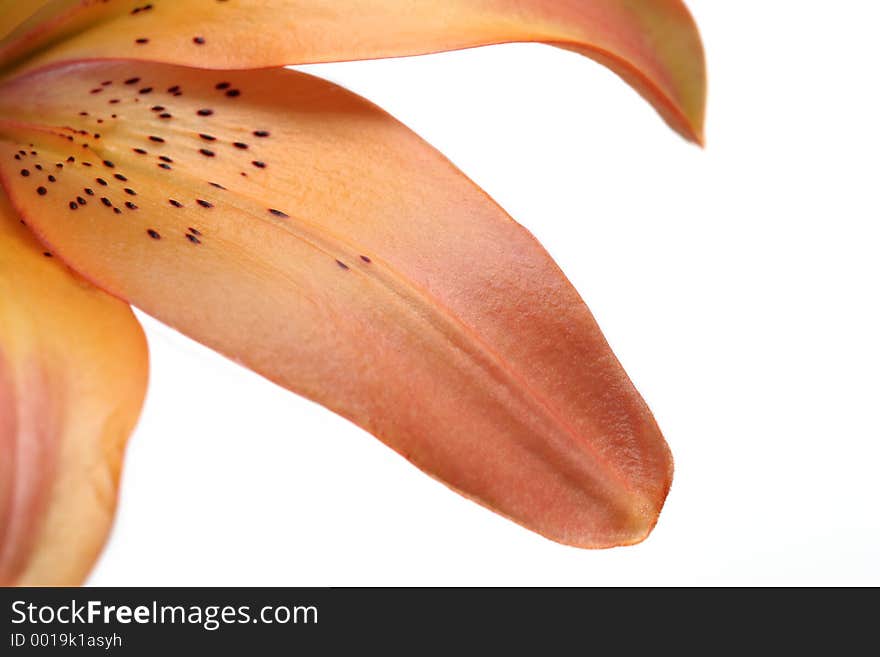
14	12
300	230
73	369
653	44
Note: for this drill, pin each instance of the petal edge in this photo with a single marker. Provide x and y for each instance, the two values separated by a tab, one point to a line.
654	45
73	372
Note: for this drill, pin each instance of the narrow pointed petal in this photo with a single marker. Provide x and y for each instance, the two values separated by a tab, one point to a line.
305	233
653	44
73	368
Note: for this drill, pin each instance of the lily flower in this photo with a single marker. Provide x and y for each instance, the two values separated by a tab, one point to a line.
157	153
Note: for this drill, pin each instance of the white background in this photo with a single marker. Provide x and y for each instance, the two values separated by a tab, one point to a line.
739	285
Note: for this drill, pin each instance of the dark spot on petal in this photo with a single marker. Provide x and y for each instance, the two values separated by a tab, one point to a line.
222	86
146	90
89	191
139	151
261	133
130	205
208	137
165	115
73	205
199	41
38	167
233	93
109	164
141	41
51	178
342	264
165	166
101	181
132	81
195	231
205	112
25	172
204	204
241	145
80	200
192	238
176	204
206	152
106	201
366	259
152	233
165	158
158	140
117	210
71	159
279	213
42	191
130	191
157	108
46	253
120	177
173	90
258	164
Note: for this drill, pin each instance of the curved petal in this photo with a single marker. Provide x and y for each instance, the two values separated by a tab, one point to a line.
653	44
73	370
305	233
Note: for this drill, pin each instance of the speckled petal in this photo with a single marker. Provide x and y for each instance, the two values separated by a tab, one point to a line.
653	44
300	230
